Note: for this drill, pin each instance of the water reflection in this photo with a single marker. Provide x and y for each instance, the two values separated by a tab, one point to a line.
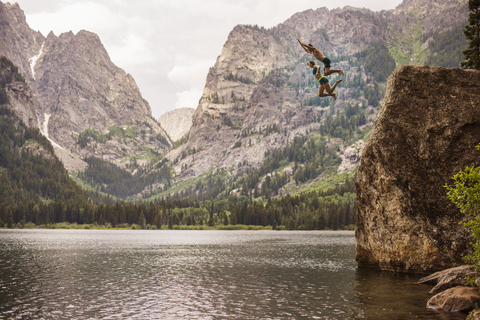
81	274
385	295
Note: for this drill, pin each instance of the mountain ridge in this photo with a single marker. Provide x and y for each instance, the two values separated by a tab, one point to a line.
82	93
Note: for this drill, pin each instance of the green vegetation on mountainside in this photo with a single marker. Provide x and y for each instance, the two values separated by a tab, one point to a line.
444	49
109	178
447	48
406	44
30	173
8	74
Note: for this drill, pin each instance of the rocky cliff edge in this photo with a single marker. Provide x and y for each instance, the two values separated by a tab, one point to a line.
427	130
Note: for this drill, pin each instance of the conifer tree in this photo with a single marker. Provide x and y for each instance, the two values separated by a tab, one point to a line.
233	219
157	221
321	221
472	32
211	223
141	220
10	220
88	215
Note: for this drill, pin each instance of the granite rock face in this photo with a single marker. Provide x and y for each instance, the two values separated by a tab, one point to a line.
177	123
21	100
259	83
78	85
426	131
351	156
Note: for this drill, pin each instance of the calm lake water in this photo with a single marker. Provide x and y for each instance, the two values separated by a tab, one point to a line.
137	274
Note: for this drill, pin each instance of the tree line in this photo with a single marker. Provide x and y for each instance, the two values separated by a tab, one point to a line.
333	209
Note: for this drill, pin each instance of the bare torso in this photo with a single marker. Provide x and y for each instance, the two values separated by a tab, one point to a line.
318	55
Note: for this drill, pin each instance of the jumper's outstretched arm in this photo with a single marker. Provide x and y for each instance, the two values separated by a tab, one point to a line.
305	46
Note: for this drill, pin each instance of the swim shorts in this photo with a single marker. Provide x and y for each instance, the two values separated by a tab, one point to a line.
327	63
323	80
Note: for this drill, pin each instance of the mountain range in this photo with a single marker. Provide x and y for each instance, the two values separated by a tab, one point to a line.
259	99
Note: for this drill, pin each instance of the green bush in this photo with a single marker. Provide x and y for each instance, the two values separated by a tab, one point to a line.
465	194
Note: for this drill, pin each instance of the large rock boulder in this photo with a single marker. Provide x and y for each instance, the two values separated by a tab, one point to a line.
426	131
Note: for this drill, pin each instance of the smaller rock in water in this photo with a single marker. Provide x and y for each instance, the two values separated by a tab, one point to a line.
457	299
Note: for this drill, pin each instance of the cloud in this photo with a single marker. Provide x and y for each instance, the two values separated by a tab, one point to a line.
188	99
191	74
133	50
76	16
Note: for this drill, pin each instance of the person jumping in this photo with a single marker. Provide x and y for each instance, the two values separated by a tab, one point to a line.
320	57
324	86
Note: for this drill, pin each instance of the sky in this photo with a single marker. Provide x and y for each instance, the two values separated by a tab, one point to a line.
169	45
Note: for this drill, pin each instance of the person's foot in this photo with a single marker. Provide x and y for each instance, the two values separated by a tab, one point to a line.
338	81
334	95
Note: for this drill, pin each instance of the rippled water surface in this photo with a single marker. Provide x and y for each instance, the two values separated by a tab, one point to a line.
92	274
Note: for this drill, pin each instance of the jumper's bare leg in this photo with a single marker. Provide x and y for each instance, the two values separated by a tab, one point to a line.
328	89
329	71
335	85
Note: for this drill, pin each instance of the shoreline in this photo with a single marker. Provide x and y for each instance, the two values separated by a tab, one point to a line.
75	226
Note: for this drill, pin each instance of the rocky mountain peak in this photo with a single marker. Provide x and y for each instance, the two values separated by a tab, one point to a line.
17	41
77	88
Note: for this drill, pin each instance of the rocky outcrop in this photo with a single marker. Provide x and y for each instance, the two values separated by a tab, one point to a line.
21	100
426	131
177	123
452	291
258	96
351	156
457	299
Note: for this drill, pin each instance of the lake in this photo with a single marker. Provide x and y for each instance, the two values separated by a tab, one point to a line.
140	274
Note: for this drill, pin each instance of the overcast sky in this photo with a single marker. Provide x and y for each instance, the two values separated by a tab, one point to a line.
169	45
